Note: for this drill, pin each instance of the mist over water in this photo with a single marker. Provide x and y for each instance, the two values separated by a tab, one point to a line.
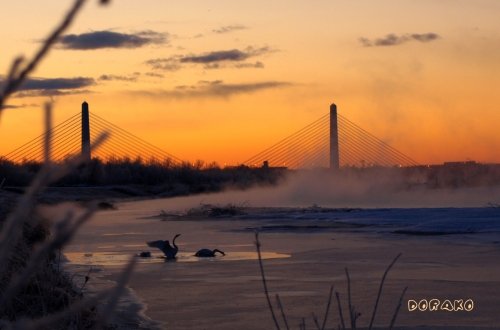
385	189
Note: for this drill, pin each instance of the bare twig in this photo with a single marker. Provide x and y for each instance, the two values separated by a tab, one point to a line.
14	68
48	136
396	312
316	322
283	315
64	232
86	279
59	253
49	320
352	317
327	308
264	282
341	315
16	76
12	229
42	300
115	294
380	290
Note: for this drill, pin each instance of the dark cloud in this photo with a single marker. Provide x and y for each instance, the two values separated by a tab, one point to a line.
229	28
111	77
233	55
7	106
51	93
110	39
18	106
210	66
233	58
245	65
217	56
256	65
53	86
425	37
165	64
219	89
394	40
154	75
56	83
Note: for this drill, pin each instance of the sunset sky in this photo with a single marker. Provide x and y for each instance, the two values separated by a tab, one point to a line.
221	80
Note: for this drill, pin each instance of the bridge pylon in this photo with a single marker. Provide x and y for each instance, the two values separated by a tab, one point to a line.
334	139
86	152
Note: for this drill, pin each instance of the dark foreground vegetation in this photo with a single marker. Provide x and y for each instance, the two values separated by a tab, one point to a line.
46	289
34	292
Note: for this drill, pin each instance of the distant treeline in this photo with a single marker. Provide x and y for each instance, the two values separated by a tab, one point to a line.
182	178
459	174
446	176
186	178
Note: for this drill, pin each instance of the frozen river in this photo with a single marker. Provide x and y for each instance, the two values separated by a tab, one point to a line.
447	253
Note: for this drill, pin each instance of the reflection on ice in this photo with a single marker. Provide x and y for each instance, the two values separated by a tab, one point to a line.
119	259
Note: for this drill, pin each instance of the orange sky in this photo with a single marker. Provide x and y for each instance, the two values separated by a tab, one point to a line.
221	80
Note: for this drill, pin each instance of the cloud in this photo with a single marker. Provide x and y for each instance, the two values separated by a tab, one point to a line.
229	28
217	56
35	87
256	65
7	106
19	106
395	40
165	64
50	93
111	77
425	37
56	83
218	89
218	65
110	39
154	75
212	60
233	55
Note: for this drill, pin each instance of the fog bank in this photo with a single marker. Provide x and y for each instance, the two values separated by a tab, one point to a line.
384	189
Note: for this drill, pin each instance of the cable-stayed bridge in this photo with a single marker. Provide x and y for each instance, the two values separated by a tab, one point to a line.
331	141
75	134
